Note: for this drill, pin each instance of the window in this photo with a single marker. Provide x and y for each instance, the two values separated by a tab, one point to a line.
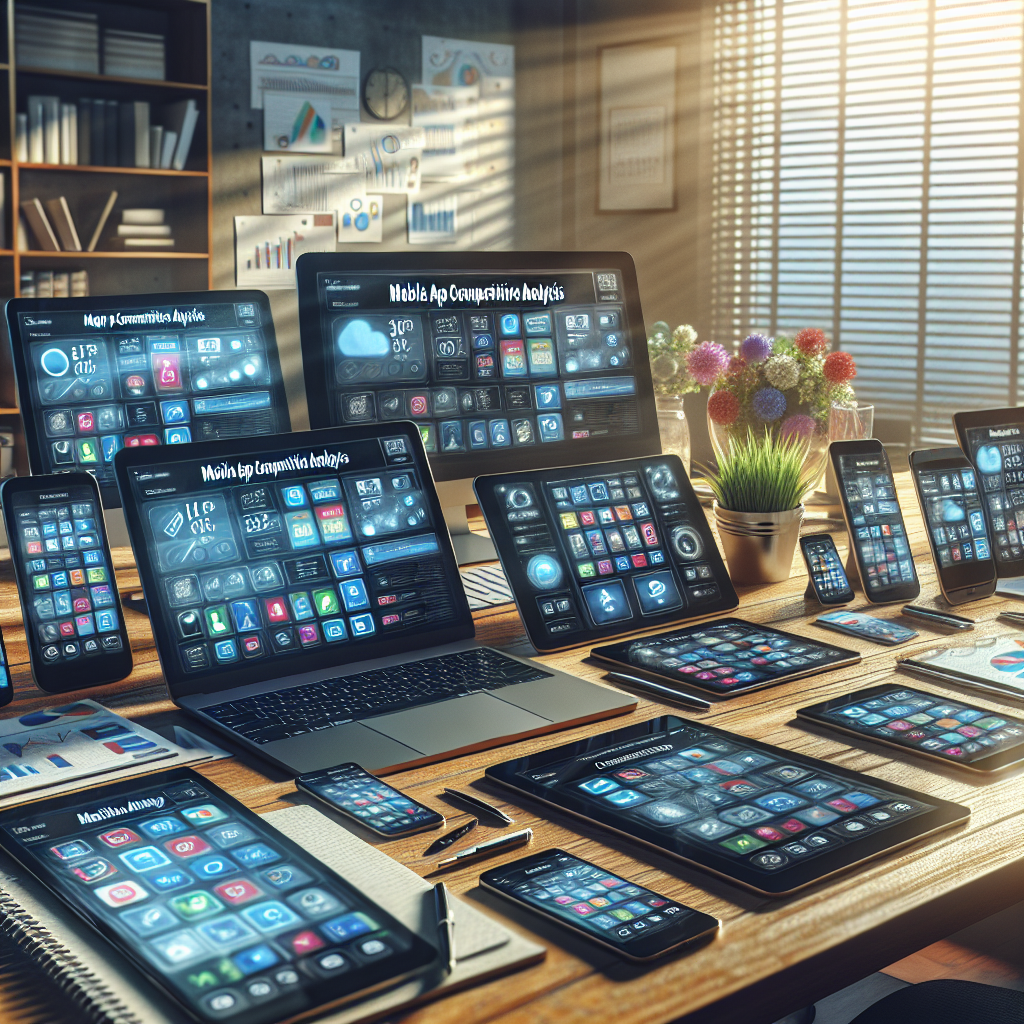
867	180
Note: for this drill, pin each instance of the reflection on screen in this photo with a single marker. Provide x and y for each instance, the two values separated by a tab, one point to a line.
954	515
998	456
826	568
372	801
877	522
5	677
103	380
482	362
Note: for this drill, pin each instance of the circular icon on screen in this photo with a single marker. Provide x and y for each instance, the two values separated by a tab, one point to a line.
989	459
686	543
519	497
55	362
544	572
663	483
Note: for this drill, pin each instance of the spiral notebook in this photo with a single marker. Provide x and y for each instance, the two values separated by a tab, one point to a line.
106	988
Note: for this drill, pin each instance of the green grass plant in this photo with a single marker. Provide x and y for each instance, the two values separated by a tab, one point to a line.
760	473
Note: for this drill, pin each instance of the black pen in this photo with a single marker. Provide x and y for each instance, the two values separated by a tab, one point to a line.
486	849
662	691
934	617
451	837
445	928
479	805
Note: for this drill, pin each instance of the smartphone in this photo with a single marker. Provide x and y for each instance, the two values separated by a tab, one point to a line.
72	611
878	536
628	919
954	515
952	731
828	577
6	686
358	795
867	627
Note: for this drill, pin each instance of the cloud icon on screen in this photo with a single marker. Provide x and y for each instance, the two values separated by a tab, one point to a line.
358	340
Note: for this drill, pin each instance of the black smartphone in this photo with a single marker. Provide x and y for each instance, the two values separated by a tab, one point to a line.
6	685
72	611
828	577
358	795
867	627
954	515
874	521
634	922
952	731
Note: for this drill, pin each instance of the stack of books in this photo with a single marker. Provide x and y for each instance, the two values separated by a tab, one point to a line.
58	40
134	54
106	133
50	225
143	229
55	284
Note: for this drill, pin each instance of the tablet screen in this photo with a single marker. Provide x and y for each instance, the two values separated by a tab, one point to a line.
218	908
760	815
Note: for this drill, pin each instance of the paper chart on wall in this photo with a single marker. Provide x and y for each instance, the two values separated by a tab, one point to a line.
362	219
317	71
310	184
297	122
266	247
391	155
433	219
448	116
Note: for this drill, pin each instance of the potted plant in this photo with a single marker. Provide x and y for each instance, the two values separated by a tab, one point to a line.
758	486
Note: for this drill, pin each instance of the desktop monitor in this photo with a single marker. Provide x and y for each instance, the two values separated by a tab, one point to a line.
99	374
505	360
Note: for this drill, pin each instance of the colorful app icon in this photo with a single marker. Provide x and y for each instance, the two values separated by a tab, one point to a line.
348	926
187	846
362	625
120	894
236	892
197	904
203	814
270	916
145	858
119	837
93	870
69	851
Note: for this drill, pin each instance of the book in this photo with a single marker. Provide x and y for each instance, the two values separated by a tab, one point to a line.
995	665
133	134
144	230
84	124
96	976
57	40
167	151
3	212
98	134
61	284
63	223
110	125
65	134
181	117
102	222
36	120
51	129
44	284
79	283
120	242
21	138
36	218
27	285
142	215
156	141
134	54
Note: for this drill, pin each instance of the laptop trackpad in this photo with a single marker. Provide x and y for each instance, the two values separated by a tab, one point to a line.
453	724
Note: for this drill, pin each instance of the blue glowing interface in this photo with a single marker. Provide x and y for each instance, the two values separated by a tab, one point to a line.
998	456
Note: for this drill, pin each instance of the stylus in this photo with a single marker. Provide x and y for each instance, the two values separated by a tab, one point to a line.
452	837
662	691
1015	617
479	805
960	622
445	928
486	849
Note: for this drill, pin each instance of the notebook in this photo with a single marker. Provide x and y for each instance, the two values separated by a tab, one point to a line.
107	987
995	665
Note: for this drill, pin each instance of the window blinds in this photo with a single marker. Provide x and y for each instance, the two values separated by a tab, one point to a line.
867	179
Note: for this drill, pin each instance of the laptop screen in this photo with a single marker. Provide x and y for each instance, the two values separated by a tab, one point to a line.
503	360
275	556
97	375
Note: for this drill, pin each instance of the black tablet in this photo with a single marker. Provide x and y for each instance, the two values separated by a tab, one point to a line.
122	371
222	912
724	657
993	439
760	816
953	731
592	552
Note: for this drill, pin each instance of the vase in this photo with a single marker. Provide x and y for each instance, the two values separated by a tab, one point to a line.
674	430
846	423
797	421
759	546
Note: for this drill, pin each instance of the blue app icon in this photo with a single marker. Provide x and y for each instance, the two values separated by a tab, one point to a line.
345	563
149	920
362	625
622	563
225	651
544	572
550	427
174	412
111	444
483	341
501	436
657	592
256	854
599	786
510	325
302	607
106	621
353	593
348	926
294	496
245	615
213	867
451	436
93	557
160	827
165	881
626	798
477	434
225	932
177	435
148	858
268	916
258	958
334	630
548	396
607	602
779	803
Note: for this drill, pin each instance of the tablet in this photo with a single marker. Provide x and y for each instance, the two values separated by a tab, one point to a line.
725	657
993	439
592	552
760	816
223	913
927	724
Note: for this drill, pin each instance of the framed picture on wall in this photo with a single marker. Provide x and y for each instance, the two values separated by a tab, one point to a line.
637	128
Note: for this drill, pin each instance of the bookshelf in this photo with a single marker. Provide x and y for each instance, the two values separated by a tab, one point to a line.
186	195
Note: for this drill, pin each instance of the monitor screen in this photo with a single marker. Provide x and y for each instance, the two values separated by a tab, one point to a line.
503	360
261	559
99	374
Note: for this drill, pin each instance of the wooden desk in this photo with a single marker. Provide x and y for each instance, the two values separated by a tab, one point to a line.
773	956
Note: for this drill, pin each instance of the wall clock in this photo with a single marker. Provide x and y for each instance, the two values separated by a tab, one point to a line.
386	93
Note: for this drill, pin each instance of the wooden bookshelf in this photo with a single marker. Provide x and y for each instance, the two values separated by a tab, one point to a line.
186	195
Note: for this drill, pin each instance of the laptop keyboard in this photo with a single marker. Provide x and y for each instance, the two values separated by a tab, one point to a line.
321	705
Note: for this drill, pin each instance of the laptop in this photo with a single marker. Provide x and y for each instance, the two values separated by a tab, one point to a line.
305	601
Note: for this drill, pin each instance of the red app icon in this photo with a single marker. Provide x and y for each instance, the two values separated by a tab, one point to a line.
640	561
306	942
67	629
650	534
418	405
119	837
141	440
276	610
604	567
793	826
251	645
167	371
34	547
390	620
77	578
86	422
134	384
237	892
768	834
587	519
842	805
94	870
82	604
187	846
120	893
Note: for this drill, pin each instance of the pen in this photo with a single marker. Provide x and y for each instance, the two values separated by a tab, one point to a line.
929	615
486	849
662	691
452	837
1017	618
445	928
479	805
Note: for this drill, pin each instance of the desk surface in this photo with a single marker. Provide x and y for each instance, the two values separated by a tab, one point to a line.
772	956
